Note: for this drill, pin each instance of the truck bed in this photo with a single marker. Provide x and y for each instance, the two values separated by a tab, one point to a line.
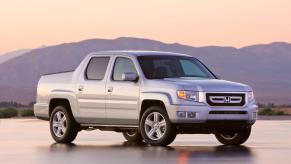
54	83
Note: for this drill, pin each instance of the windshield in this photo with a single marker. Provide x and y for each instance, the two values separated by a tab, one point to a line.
160	67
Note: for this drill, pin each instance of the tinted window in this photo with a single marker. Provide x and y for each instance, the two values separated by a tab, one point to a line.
121	66
159	67
191	69
96	68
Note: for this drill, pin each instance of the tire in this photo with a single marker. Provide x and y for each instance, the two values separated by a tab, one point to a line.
234	138
158	131
132	136
64	131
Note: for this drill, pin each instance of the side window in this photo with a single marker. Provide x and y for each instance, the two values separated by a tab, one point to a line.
96	68
121	66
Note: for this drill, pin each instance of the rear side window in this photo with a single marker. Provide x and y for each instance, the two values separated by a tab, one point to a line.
96	68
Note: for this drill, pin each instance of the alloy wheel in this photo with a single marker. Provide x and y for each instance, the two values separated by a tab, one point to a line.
59	124
155	126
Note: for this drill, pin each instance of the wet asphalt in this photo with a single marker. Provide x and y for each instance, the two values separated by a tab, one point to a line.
29	141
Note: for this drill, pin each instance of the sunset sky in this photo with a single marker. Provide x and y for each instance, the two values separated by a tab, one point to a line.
32	23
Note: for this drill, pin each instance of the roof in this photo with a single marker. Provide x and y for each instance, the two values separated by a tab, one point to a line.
137	53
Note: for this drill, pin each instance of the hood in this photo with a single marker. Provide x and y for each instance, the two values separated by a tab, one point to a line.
209	85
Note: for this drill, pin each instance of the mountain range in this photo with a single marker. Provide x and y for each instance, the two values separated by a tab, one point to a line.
265	67
10	55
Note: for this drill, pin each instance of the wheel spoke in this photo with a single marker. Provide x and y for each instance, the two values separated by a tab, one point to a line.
159	133
149	122
55	124
58	131
156	117
63	120
162	123
63	129
151	132
58	116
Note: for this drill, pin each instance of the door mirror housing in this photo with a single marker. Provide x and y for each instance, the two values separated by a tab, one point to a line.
129	76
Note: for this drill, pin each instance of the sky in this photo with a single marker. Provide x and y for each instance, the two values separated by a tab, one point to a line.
33	23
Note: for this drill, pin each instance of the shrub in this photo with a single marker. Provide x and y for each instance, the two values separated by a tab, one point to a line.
281	113
27	113
268	111
8	113
1	115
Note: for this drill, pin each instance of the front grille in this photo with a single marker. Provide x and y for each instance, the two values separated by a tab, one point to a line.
225	99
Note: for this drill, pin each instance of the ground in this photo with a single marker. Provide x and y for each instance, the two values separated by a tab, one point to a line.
29	141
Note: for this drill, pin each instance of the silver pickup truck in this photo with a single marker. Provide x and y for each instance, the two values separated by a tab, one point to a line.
148	96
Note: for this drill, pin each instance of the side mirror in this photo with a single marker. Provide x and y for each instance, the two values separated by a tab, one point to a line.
129	76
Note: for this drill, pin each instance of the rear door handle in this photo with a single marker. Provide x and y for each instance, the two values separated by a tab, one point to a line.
110	89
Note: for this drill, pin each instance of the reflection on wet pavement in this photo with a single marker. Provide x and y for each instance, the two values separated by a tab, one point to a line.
29	141
129	151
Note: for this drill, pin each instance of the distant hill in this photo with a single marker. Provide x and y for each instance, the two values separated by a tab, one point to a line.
10	55
266	67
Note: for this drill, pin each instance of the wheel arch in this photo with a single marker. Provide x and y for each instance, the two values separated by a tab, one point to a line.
150	102
68	101
153	99
57	102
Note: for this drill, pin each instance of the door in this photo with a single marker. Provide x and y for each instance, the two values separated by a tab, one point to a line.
122	97
91	91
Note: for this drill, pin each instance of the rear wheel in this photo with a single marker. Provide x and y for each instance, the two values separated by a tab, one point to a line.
63	127
132	135
156	128
234	137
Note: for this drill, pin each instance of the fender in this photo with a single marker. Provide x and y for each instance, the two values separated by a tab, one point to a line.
161	96
68	95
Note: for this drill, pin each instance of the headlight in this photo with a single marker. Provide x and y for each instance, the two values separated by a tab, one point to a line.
188	95
251	96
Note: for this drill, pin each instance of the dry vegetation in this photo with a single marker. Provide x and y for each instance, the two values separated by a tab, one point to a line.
284	109
272	110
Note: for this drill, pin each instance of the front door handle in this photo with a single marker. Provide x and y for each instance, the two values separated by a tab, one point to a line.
81	88
110	89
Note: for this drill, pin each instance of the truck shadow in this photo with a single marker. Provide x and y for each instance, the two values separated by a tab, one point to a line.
143	152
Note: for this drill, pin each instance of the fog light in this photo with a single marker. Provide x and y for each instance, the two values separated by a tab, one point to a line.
181	114
191	114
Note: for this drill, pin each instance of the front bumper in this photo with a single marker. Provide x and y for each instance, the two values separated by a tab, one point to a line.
206	113
212	126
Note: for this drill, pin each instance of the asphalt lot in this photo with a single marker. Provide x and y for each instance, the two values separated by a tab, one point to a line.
29	141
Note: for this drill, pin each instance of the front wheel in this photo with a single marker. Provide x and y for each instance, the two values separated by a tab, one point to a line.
234	137
63	127
156	128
